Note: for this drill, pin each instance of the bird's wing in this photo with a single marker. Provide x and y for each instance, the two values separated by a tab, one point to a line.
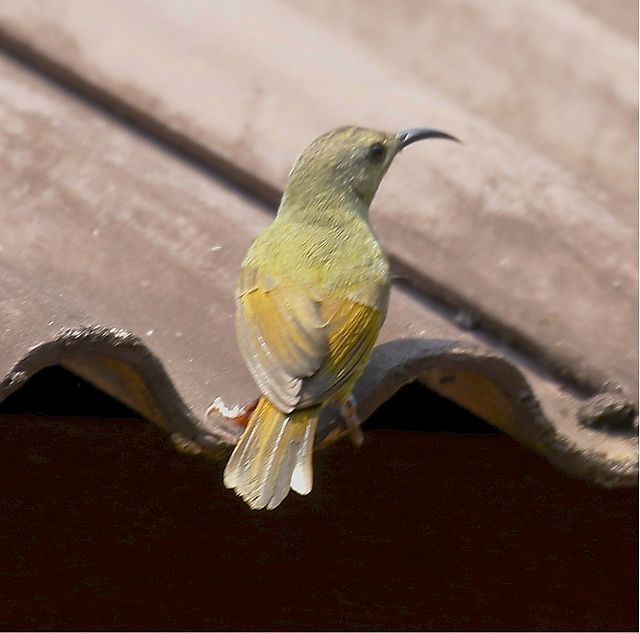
352	329
301	350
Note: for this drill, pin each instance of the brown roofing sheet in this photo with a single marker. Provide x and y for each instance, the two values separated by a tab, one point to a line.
530	226
549	74
119	261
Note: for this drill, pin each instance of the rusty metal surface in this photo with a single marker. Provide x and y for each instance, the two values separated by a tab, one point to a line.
120	264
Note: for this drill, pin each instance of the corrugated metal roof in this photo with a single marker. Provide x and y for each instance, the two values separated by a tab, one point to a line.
136	170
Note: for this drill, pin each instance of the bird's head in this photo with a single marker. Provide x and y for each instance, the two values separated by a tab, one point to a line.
350	161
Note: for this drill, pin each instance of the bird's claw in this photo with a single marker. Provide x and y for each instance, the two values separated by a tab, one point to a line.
348	410
237	414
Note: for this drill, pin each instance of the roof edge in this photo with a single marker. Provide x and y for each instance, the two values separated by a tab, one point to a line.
118	362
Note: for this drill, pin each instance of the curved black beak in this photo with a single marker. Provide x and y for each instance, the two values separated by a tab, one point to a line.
406	137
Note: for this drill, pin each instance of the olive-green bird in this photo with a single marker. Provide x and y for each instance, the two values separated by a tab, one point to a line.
311	299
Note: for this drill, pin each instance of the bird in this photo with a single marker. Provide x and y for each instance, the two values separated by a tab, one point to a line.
310	302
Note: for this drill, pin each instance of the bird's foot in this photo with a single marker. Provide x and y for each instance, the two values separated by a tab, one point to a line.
348	410
236	414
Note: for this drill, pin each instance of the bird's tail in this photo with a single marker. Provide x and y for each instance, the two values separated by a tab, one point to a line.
273	456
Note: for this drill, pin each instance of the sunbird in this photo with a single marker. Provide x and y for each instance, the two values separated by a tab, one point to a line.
312	296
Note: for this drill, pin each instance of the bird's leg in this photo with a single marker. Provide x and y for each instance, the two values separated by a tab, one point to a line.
348	410
236	414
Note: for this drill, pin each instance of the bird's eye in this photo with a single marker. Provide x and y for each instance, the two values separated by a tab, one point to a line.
377	152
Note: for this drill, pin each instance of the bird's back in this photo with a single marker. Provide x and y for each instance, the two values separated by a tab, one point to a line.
325	260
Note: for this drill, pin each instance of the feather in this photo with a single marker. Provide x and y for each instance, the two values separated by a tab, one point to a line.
281	335
302	351
273	455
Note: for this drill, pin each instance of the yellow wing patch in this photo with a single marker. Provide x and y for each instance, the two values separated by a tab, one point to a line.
302	351
352	330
